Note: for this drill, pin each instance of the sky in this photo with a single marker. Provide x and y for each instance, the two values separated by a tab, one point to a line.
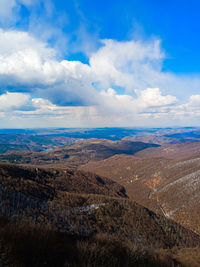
84	63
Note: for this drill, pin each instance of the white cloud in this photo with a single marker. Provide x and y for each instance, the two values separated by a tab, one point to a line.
127	64
31	65
27	64
6	9
9	10
137	65
151	97
65	89
12	42
41	19
149	100
194	101
11	101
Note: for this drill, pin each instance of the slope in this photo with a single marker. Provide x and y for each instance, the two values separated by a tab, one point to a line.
80	153
28	197
168	186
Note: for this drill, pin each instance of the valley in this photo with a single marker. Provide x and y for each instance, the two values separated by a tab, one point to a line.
141	194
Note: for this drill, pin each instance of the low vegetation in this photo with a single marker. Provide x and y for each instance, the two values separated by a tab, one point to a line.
52	197
23	245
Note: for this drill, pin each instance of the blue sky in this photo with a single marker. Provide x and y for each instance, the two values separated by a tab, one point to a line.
84	63
176	23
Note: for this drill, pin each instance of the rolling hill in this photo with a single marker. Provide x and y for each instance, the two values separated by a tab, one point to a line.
167	186
77	154
52	197
171	151
47	183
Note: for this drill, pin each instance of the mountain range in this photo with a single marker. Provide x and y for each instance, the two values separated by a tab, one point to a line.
142	195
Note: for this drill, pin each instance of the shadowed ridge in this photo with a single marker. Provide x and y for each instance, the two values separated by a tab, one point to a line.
80	153
34	180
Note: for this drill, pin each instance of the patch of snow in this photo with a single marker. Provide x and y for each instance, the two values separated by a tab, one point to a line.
94	206
189	161
191	179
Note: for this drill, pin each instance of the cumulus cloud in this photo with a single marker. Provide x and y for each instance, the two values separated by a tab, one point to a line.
12	101
190	109
27	64
151	97
127	64
149	100
194	101
87	94
12	42
137	65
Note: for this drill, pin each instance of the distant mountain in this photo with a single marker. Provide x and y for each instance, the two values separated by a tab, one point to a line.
173	151
37	140
31	142
116	133
81	152
166	136
138	216
161	139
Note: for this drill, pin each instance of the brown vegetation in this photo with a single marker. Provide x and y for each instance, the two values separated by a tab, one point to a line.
42	196
171	151
40	182
75	155
24	245
170	187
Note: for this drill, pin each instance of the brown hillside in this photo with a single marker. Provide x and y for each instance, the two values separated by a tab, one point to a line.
139	176
40	196
154	139
172	151
46	183
75	155
29	245
169	187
